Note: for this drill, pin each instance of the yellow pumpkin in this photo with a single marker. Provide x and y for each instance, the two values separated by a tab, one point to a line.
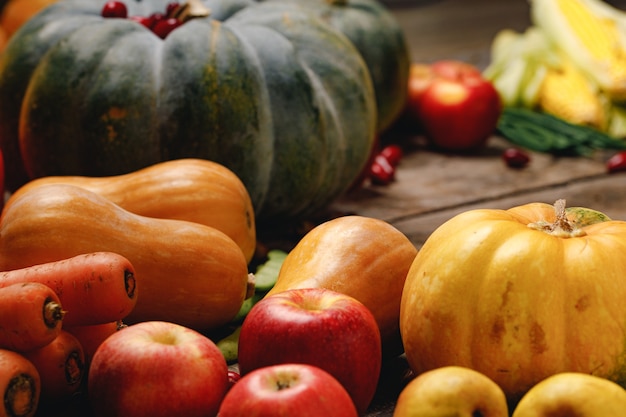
519	295
363	257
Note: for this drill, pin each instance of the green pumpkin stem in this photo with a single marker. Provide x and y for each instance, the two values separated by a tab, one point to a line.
561	226
190	9
337	2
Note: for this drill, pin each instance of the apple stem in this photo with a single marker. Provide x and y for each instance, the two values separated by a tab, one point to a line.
281	385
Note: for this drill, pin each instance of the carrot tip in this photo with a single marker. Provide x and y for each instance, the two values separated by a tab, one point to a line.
129	283
21	397
74	368
52	313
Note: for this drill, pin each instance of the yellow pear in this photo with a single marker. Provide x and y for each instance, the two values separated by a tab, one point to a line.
573	394
451	391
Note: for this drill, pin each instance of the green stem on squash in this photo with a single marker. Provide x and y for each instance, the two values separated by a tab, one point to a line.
561	227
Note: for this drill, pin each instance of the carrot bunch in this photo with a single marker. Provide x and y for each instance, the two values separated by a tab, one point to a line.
52	318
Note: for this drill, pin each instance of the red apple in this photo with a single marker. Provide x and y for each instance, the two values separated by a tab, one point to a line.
233	378
420	77
455	106
452	69
157	369
288	390
319	327
1	180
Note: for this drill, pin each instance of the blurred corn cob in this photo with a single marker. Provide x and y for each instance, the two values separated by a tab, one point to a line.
567	93
591	34
570	63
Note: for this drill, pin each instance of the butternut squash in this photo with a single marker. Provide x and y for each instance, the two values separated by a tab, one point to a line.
196	190
186	272
363	257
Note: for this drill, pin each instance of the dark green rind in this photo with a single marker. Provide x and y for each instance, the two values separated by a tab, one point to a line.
328	86
380	39
17	63
218	110
283	100
89	110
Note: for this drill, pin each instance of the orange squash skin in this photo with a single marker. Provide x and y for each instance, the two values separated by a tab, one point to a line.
186	272
363	257
488	292
16	12
196	190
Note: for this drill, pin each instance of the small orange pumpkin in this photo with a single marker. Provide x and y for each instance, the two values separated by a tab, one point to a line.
519	295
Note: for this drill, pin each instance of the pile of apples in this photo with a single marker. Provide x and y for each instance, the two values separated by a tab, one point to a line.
302	352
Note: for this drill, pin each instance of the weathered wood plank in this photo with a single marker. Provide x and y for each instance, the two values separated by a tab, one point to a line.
432	186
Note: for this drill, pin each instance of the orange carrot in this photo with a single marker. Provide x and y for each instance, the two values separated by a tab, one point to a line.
91	336
20	385
30	316
61	367
93	288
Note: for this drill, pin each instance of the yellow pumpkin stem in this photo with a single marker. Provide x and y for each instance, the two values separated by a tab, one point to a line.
190	9
561	222
561	227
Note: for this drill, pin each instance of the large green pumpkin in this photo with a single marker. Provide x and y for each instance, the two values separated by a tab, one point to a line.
269	90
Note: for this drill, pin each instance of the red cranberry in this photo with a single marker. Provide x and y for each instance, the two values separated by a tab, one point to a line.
381	171
171	8
393	153
114	9
164	27
515	158
144	20
155	18
616	163
233	378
